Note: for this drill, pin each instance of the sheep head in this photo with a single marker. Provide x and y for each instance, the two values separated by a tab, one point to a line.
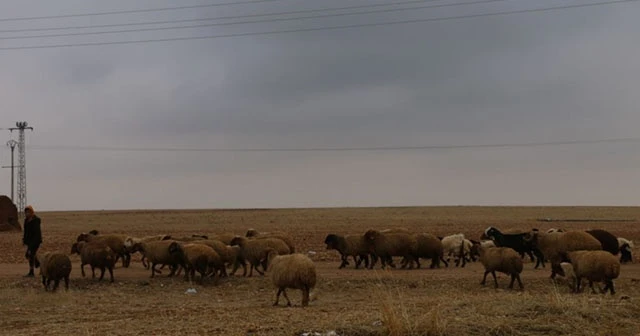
372	235
83	237
251	233
175	248
331	241
238	241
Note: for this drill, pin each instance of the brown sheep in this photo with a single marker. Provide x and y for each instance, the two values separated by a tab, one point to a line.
115	242
387	245
294	271
197	257
596	266
252	233
254	251
428	246
54	266
501	259
349	246
157	253
95	254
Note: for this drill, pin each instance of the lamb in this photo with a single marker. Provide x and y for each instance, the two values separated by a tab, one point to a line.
608	241
517	242
626	247
157	253
294	271
115	242
349	246
95	254
501	259
553	245
254	251
430	247
197	257
387	245
252	233
54	266
596	266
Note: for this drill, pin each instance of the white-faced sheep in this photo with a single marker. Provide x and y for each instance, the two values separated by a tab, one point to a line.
96	254
349	246
54	266
197	257
252	233
595	266
254	251
554	245
388	245
295	271
626	246
501	259
115	242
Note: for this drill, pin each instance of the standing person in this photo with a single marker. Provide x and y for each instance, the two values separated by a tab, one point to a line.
32	238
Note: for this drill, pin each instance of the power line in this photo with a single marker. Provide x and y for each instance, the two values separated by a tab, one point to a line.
375	24
327	149
306	11
388	10
142	10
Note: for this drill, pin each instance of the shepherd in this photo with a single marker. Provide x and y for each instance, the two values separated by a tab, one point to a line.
32	238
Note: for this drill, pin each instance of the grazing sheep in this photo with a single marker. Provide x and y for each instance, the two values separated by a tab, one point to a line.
626	247
54	266
157	253
115	242
517	242
429	247
294	271
608	241
553	245
596	266
252	233
388	245
197	257
501	259
349	246
95	254
254	251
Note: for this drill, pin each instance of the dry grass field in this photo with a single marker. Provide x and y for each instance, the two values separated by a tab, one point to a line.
446	301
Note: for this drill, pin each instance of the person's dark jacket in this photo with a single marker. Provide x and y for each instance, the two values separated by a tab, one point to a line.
32	235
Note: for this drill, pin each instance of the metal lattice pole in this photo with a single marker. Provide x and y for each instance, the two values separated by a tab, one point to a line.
22	166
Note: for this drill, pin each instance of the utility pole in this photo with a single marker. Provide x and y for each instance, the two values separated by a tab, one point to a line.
22	166
12	144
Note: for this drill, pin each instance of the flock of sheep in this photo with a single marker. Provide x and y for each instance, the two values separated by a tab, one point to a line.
210	256
575	255
589	254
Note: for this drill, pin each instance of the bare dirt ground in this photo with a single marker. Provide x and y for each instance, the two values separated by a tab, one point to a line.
446	301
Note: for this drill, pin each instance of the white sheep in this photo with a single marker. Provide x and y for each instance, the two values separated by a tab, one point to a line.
453	246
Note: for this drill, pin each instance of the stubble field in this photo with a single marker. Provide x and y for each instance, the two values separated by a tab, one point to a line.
446	301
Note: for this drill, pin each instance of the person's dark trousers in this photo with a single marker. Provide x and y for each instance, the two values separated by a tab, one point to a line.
31	255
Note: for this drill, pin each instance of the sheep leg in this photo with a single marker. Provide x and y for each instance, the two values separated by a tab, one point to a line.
446	264
66	283
578	284
56	283
374	260
343	262
495	279
530	254
519	282
284	292
609	283
82	269
111	273
305	296
101	273
259	271
366	260
127	259
484	278
153	269
435	262
539	258
357	261
278	296
593	290
44	283
93	272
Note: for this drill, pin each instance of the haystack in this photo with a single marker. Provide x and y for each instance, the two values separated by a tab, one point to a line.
8	215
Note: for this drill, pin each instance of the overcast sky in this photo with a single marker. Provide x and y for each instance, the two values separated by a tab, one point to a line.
561	75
